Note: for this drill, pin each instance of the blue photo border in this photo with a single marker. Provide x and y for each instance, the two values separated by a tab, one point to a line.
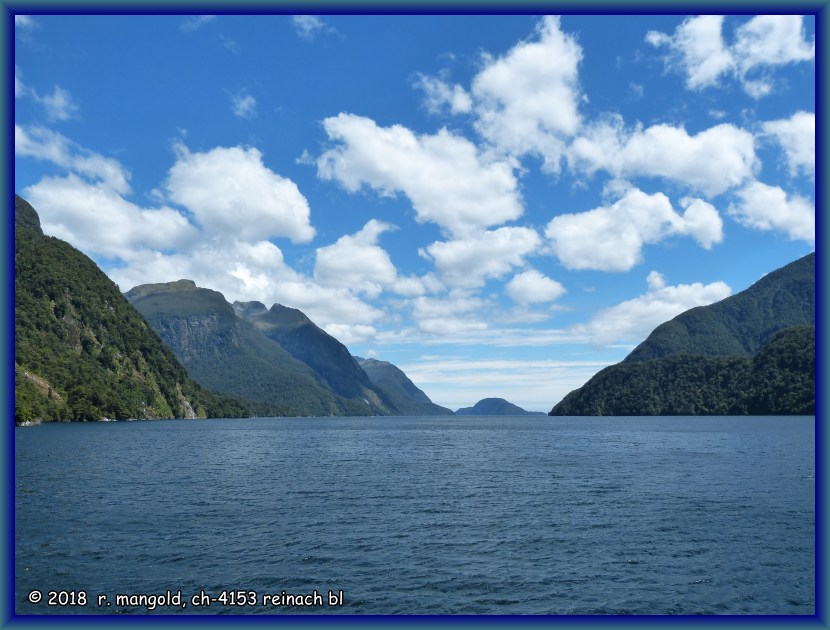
10	8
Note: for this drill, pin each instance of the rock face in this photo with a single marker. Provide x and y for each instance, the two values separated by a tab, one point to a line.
81	351
399	389
752	353
494	407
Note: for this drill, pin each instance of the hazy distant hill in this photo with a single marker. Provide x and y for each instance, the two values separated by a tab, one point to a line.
752	353
81	351
399	389
494	407
233	355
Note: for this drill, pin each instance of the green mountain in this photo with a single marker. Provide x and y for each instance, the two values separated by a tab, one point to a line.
81	351
230	354
740	324
314	347
495	407
752	353
407	398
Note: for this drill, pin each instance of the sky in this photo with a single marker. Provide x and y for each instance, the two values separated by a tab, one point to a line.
501	206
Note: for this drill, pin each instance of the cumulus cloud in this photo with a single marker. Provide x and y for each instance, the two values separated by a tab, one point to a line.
244	105
797	136
527	100
533	286
440	97
238	204
44	144
444	176
698	50
631	321
231	191
469	262
357	262
763	207
711	162
611	238
98	220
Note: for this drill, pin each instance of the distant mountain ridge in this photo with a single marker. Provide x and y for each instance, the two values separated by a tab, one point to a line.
82	352
495	407
311	345
399	389
752	353
276	360
233	354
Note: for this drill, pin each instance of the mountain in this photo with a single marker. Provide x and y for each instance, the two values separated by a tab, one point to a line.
231	354
81	351
407	398
740	324
494	407
752	353
314	347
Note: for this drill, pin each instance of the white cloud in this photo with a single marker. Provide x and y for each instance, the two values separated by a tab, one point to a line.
702	221
196	22
444	176
527	101
764	207
238	202
533	287
59	105
712	161
357	262
797	136
633	320
469	262
244	105
441	97
96	219
449	315
231	192
309	26
611	238
772	40
697	49
43	144
699	45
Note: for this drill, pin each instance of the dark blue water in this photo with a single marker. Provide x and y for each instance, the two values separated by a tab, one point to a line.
466	515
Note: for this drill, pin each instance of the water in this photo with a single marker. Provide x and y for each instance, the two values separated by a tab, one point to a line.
458	515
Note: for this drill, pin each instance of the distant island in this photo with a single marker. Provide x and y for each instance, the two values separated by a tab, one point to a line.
495	407
752	353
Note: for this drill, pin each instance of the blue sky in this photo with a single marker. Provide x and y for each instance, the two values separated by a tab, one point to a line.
499	205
